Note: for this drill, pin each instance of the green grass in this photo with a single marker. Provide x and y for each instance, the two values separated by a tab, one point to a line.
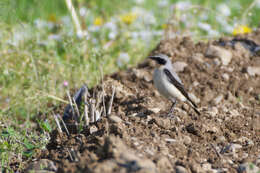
34	67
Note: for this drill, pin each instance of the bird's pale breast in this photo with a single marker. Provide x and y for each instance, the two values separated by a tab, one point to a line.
166	88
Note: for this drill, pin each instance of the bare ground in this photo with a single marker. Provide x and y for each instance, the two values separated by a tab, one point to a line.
139	137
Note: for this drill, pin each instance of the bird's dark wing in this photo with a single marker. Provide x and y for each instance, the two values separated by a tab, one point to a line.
178	85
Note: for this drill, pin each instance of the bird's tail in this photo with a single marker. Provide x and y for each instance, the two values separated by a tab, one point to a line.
194	106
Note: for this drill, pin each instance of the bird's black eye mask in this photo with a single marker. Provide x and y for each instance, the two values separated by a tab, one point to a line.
159	60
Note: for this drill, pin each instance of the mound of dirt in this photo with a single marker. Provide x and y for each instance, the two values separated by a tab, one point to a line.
223	79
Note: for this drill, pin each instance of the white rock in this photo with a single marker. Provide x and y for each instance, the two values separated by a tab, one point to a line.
198	57
212	111
155	110
180	169
179	66
218	52
252	71
170	140
115	119
194	98
218	99
225	76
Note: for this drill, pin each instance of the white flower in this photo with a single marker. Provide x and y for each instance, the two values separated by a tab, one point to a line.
139	1
223	9
123	59
213	33
258	3
112	35
183	5
54	37
83	11
40	24
204	26
163	3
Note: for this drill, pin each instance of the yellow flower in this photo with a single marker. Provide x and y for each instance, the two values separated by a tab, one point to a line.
165	26
98	21
241	29
52	18
128	18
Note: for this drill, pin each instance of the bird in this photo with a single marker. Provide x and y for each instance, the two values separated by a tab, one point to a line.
168	83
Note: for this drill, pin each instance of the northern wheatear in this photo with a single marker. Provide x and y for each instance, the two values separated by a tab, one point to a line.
168	82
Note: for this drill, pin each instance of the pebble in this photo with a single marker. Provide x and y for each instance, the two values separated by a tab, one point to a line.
252	71
180	169
218	52
187	140
218	99
198	57
248	168
225	76
93	129
179	66
206	167
115	119
213	111
194	98
170	140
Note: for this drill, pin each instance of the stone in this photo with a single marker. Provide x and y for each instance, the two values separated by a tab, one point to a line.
198	57
225	76
187	140
180	169
194	98
218	99
115	119
252	71
179	66
248	168
218	52
212	111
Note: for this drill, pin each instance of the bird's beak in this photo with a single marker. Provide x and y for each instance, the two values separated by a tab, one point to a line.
152	57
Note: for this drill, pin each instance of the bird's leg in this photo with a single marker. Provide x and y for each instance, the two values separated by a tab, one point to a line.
172	108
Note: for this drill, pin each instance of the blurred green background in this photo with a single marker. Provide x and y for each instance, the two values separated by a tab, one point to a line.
41	55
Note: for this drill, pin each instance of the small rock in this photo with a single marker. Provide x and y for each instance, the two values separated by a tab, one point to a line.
233	113
93	129
252	71
180	169
198	57
155	110
218	99
115	119
194	98
170	140
225	76
42	165
216	62
248	168
186	140
213	111
218	52
179	66
164	164
206	167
